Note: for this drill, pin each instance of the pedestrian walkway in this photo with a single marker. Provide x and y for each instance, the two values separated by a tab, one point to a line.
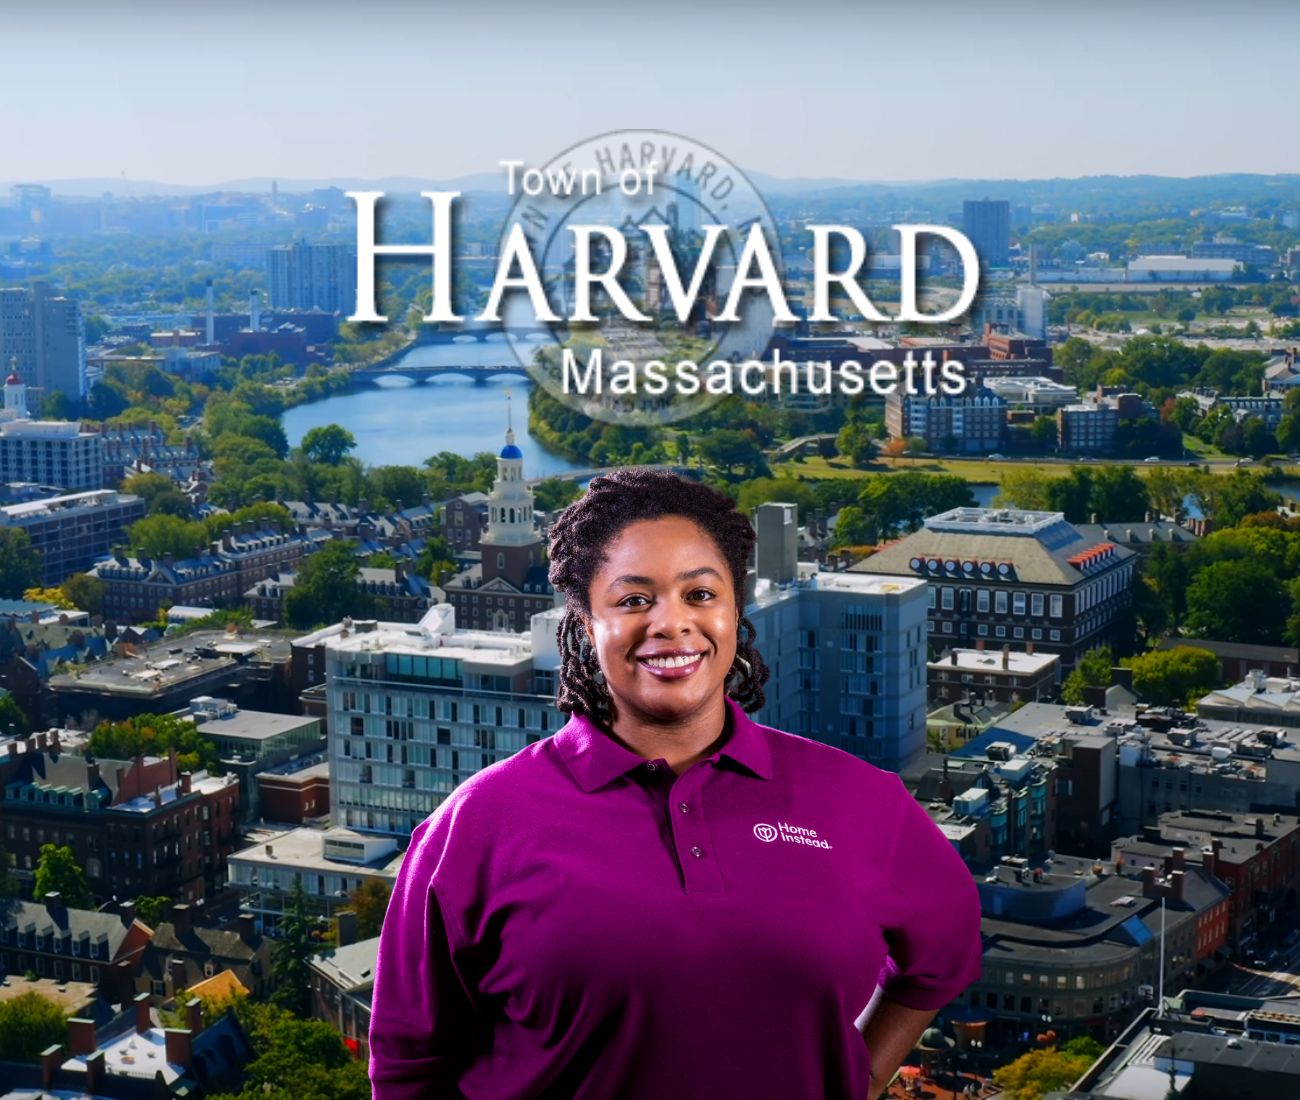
944	1087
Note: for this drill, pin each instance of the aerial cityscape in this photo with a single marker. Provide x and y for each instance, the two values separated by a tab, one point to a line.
274	584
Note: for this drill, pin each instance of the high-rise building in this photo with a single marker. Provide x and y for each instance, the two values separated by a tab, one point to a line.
413	709
47	452
987	222
312	276
43	339
846	652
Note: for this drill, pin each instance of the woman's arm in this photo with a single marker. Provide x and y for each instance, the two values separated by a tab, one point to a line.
892	1032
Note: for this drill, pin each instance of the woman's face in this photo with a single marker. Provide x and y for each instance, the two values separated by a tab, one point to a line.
663	620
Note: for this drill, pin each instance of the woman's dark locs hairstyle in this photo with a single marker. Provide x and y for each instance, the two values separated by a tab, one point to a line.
578	539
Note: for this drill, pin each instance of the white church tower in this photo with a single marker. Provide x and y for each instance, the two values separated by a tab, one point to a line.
511	521
15	395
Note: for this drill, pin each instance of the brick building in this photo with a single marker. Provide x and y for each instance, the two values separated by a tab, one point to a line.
70	532
54	941
136	587
134	826
1257	855
1010	576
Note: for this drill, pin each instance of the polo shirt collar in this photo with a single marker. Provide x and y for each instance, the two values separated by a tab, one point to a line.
594	758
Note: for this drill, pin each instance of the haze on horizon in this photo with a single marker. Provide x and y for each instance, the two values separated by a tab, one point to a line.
1006	89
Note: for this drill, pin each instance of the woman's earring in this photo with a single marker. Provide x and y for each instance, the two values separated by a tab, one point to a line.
749	669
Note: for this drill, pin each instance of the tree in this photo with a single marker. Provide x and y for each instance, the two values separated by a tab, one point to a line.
20	564
156	536
1072	495
152	910
86	592
148	487
1256	438
1043	432
55	597
553	494
1093	670
29	1024
389	486
299	942
370	903
853	528
1024	487
328	444
155	735
436	560
728	448
326	588
1118	494
262	514
293	1059
13	719
894	449
8	887
1032	1076
57	870
1236	601
1176	675
854	442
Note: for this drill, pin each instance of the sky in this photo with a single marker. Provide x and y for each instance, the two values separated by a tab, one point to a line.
190	94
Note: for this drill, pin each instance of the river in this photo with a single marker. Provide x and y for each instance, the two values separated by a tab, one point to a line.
398	423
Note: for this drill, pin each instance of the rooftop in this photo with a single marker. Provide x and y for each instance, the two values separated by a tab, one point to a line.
1013	662
306	848
255	725
170	662
352	966
133	1054
96	498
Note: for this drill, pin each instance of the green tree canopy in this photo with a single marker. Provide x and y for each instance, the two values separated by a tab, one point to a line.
20	564
13	719
155	536
86	592
28	1025
1092	670
325	588
300	941
328	444
1236	601
729	449
370	903
155	735
57	869
1032	1076
152	910
1174	676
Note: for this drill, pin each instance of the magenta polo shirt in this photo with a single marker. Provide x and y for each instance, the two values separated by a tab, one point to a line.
576	921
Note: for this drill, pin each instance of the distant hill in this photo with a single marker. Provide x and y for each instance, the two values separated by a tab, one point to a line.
1147	193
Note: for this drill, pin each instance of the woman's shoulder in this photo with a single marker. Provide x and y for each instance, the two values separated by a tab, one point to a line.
803	755
484	796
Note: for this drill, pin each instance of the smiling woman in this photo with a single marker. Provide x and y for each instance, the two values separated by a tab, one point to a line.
666	898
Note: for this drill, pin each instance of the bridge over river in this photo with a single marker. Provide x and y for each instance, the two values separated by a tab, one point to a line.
477	372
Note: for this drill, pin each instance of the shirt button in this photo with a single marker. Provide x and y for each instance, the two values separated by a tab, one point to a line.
652	766
697	852
685	807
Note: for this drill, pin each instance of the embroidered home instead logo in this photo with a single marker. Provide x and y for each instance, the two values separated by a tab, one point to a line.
790	834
